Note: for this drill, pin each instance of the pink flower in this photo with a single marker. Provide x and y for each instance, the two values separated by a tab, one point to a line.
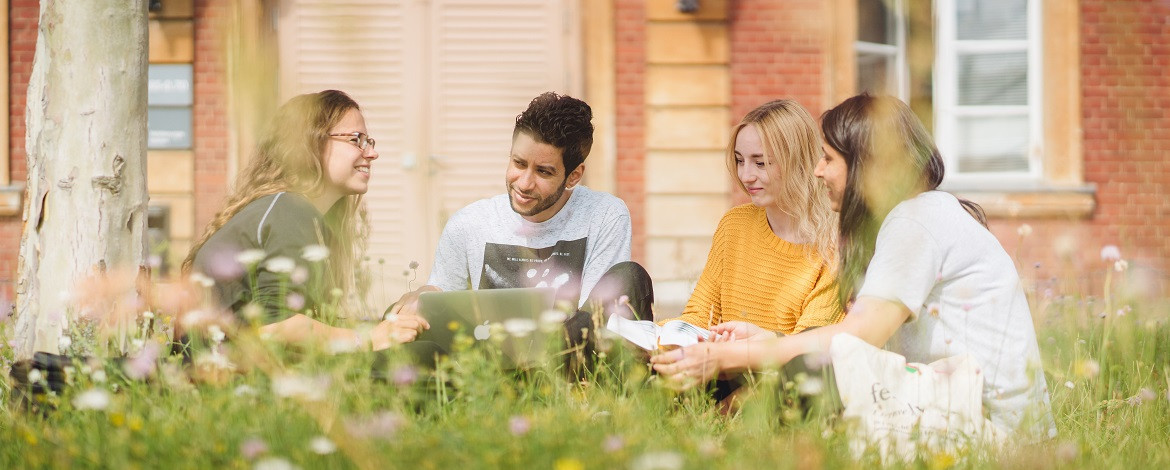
383	426
613	444
405	376
295	301
223	266
144	363
1110	253
519	425
253	447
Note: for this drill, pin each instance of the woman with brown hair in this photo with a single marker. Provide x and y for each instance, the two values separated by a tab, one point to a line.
290	235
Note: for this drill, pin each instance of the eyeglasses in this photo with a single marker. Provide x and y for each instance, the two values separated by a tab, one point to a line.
358	139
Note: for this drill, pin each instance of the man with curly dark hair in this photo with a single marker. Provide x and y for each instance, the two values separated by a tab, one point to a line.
548	230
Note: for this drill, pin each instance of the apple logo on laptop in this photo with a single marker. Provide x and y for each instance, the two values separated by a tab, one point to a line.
482	332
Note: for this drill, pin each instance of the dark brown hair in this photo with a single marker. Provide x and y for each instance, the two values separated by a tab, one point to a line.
562	122
883	143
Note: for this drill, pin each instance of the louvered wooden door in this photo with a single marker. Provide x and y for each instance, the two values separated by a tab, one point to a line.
440	83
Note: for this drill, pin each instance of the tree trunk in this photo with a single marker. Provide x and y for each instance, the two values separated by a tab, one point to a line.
86	200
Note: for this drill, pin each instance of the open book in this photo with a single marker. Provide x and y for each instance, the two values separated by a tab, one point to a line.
649	336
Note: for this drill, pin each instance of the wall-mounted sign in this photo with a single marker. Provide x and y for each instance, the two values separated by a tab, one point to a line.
168	127
170	85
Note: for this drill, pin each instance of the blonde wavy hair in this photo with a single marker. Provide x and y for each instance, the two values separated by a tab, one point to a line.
792	145
289	158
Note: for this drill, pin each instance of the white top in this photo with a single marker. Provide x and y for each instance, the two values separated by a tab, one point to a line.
964	295
487	245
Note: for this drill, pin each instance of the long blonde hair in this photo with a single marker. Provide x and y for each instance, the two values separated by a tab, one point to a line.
792	145
289	158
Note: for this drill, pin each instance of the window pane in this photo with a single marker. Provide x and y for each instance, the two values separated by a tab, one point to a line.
991	19
992	144
875	74
993	79
874	22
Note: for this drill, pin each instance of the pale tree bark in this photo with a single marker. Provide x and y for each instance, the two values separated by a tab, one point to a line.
85	205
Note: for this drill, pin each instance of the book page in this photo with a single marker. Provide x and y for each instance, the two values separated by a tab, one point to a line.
678	333
642	333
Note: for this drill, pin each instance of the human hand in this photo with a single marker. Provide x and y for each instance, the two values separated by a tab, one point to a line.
396	330
684	368
740	331
408	304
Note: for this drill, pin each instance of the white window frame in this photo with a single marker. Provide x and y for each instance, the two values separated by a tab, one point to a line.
947	110
896	8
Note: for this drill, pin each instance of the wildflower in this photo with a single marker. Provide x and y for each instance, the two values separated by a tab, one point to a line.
253	447
413	265
1067	451
321	445
1110	253
1070	385
98	376
553	317
1024	230
295	386
658	461
92	399
295	301
216	334
274	463
147	315
244	391
299	275
405	376
143	364
252	311
568	463
280	265
709	447
35	376
1087	368
315	253
934	308
613	444
1120	266
383	426
250	257
811	386
64	343
519	425
519	327
201	280
222	265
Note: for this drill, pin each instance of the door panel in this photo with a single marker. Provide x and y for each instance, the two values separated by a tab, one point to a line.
440	83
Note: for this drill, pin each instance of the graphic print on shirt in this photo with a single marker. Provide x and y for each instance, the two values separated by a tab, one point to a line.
558	266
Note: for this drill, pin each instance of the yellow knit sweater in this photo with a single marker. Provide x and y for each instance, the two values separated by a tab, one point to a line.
754	276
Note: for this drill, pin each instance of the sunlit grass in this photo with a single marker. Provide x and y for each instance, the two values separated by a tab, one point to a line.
1107	363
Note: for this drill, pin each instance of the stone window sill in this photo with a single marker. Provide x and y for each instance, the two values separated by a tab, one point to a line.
1066	203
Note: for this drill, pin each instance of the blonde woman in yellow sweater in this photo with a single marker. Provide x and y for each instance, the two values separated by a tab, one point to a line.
772	262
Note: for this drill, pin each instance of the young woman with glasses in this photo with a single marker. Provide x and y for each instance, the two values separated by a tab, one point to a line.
293	227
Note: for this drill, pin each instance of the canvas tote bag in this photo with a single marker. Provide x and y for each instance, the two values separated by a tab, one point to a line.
908	409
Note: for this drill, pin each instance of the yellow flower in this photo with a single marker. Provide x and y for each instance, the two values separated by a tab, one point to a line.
117	419
568	463
453	325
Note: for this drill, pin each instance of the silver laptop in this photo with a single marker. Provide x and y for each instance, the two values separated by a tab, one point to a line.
510	319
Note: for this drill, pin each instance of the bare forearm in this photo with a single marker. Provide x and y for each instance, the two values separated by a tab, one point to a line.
300	329
874	322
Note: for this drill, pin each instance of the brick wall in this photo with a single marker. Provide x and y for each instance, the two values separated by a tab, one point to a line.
22	38
778	50
210	113
1125	60
631	143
